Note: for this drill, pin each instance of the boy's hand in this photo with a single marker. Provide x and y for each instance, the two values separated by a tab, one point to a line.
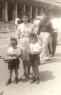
18	56
12	55
6	60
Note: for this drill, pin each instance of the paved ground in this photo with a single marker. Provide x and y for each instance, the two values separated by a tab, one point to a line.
50	74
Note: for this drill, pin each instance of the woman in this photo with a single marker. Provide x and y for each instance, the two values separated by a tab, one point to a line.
23	32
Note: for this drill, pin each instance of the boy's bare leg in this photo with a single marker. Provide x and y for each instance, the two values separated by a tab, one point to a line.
10	76
33	74
16	75
37	73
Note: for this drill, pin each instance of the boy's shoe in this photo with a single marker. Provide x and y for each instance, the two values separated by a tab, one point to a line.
16	80
33	80
37	80
8	82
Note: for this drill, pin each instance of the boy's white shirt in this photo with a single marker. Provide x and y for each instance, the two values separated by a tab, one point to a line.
12	51
35	48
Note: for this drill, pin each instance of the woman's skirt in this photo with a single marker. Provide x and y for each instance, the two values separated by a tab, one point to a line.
24	45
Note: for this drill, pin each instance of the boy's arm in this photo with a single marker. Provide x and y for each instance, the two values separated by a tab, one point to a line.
18	33
19	54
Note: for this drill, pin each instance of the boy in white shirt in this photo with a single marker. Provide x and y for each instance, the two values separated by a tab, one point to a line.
35	49
13	59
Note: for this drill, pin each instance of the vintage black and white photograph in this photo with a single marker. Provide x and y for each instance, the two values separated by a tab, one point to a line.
30	47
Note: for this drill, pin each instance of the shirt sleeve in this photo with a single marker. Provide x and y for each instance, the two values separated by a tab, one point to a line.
10	51
39	47
17	34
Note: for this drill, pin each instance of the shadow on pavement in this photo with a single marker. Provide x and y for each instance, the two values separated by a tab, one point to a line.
54	59
46	75
58	54
25	80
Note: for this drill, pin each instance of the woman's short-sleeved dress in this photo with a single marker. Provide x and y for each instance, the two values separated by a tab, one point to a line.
23	32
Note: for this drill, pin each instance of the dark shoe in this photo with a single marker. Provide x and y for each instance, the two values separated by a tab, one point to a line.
33	80
37	80
16	80
52	55
25	76
8	82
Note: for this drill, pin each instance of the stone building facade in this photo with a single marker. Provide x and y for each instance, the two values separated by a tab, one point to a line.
10	9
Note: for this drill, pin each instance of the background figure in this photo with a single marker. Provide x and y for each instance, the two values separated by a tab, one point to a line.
52	38
45	37
53	35
54	42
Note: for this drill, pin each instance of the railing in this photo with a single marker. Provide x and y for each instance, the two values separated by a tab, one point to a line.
7	27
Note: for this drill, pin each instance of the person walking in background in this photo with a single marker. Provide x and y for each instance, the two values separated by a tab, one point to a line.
45	38
54	42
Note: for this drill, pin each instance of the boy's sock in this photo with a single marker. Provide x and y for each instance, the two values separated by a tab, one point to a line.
16	80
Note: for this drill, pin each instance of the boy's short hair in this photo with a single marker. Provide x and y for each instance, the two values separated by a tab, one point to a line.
13	39
24	13
34	36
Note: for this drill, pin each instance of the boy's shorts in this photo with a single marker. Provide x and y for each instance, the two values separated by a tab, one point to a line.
13	64
34	59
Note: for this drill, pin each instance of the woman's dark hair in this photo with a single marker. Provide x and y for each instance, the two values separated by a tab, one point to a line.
25	14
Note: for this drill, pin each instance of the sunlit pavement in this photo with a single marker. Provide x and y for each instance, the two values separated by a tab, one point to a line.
50	75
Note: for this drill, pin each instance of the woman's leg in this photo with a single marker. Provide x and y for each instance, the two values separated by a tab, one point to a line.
25	68
28	68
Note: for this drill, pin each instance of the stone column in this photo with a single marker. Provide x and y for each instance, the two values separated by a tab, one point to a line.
5	12
15	11
39	11
36	11
24	8
30	13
